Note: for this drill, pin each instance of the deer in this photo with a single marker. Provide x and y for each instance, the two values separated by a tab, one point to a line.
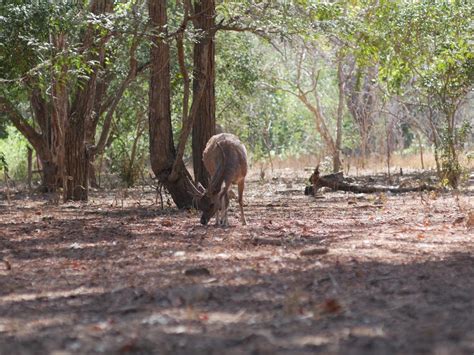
225	159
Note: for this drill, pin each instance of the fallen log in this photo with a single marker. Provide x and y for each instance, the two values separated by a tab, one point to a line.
336	182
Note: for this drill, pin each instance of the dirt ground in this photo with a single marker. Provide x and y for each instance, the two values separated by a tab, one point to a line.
337	273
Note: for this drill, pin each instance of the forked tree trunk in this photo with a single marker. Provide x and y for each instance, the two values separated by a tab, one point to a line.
162	150
204	74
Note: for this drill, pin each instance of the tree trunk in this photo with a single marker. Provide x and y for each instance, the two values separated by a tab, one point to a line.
388	130
50	178
204	75
336	166
162	150
30	166
420	144
92	174
91	126
77	151
76	185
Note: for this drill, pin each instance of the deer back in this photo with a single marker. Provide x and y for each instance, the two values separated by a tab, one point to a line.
225	158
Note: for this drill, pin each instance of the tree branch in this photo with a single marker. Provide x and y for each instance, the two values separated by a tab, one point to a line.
10	111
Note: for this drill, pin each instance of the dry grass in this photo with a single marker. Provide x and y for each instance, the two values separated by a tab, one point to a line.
355	166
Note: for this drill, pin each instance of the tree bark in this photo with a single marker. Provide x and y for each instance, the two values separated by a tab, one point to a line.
76	160
162	150
77	153
336	166
204	76
30	166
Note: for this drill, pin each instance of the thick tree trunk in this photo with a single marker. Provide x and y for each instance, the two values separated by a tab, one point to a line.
76	185
162	150
204	75
77	150
49	176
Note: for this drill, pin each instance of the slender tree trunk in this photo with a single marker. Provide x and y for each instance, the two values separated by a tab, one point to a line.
59	113
91	125
204	75
336	166
320	121
388	129
436	157
162	150
30	166
421	152
131	177
364	147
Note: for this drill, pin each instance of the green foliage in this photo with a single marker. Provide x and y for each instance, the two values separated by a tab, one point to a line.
13	150
421	49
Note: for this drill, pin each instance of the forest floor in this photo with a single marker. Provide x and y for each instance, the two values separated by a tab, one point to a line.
338	273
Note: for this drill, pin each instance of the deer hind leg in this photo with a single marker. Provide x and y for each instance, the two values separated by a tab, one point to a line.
218	220
241	186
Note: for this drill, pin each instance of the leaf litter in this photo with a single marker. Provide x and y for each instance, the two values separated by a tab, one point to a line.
334	274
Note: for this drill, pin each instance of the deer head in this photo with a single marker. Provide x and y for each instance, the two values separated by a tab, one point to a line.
212	199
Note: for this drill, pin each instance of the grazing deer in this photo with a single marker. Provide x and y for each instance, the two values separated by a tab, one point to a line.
225	158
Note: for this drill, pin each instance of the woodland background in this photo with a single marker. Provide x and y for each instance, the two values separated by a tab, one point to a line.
340	82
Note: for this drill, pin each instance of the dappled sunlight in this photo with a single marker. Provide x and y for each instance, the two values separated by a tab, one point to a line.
49	295
21	327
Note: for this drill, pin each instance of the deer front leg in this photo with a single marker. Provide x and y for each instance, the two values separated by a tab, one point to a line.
225	220
224	205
